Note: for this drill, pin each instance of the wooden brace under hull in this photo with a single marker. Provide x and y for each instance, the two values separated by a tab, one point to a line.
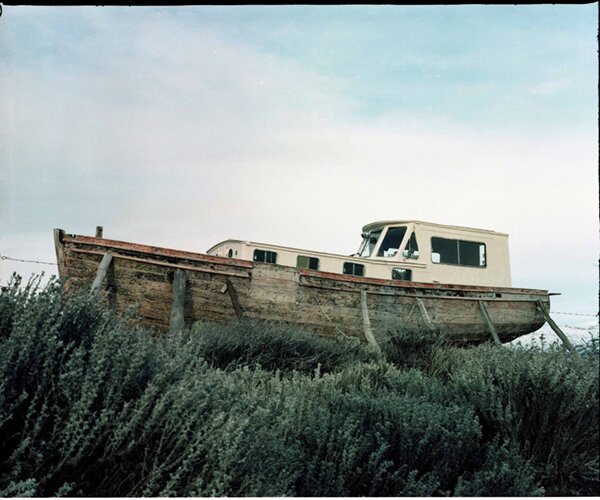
222	289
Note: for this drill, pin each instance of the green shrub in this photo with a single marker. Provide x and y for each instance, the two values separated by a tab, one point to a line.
274	346
544	402
384	444
92	406
413	347
68	370
503	473
589	347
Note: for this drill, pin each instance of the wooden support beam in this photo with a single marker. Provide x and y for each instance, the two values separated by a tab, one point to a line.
234	298
367	323
424	313
177	305
488	320
554	326
101	274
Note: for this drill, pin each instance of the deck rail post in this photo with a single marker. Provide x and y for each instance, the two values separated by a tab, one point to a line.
488	320
554	326
367	323
177	320
101	273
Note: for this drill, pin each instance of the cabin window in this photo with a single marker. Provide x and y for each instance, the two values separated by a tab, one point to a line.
265	256
369	242
354	269
392	241
399	273
458	252
412	248
303	262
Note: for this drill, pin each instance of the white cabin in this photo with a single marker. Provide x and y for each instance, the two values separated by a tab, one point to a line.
398	250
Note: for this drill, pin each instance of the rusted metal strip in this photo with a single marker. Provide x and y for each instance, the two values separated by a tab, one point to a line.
367	323
424	313
163	264
234	298
177	321
488	320
101	274
555	327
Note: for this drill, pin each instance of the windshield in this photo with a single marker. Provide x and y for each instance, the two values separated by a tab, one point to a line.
369	242
392	241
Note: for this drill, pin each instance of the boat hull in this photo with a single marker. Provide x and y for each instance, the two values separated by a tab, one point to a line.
221	289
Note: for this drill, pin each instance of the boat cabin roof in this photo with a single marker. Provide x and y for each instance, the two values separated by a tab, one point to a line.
380	224
408	250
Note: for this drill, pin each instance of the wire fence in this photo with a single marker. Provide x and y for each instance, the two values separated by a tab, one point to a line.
6	257
576	314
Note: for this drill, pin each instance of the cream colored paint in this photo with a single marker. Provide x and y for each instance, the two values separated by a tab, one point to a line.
495	273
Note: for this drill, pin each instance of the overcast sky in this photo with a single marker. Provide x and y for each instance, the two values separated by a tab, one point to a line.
186	126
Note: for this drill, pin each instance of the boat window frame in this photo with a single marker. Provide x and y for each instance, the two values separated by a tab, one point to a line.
365	241
378	244
406	269
458	264
413	256
354	264
410	229
309	259
384	236
266	253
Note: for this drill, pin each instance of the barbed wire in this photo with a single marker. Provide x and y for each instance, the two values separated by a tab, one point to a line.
6	257
575	314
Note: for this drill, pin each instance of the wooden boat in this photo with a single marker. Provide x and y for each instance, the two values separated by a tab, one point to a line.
365	296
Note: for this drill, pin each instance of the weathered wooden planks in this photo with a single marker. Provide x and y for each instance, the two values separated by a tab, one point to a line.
220	289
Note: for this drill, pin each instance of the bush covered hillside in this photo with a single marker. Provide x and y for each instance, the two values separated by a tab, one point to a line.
93	406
